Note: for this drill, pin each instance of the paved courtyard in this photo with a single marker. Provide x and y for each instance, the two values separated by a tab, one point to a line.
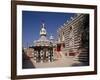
63	61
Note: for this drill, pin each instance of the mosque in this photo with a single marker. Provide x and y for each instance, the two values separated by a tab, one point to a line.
72	41
43	48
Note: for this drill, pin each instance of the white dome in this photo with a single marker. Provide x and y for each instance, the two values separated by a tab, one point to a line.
51	37
42	41
43	30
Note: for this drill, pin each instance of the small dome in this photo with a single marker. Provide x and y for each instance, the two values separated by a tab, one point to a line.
51	37
43	30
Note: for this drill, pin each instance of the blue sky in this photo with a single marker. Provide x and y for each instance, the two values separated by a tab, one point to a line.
31	24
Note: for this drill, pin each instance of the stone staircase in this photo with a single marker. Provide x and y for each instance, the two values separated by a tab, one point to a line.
83	57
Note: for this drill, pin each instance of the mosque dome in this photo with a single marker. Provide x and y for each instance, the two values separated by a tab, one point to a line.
43	30
51	37
42	41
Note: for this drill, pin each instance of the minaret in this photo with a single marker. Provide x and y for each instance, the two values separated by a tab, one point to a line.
43	30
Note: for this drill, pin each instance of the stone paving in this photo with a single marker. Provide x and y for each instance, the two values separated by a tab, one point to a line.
63	61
